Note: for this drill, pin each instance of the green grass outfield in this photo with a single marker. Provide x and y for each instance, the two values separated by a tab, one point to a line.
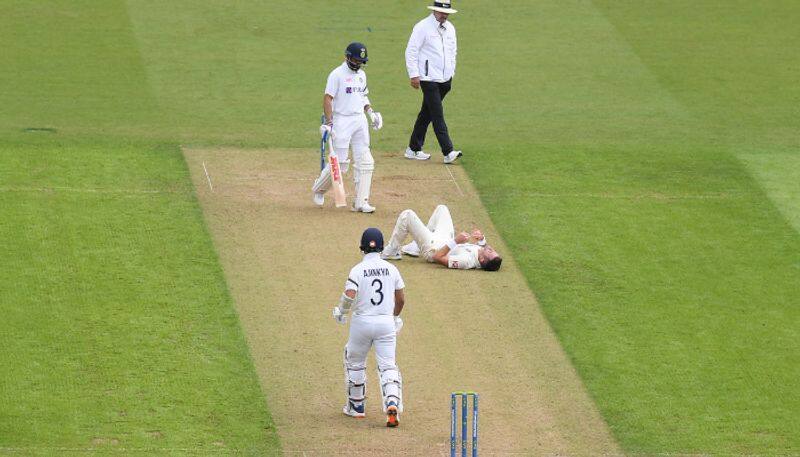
118	331
641	159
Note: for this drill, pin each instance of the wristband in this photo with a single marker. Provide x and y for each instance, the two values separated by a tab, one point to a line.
482	242
451	244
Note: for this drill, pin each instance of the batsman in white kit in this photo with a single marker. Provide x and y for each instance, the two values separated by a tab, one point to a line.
345	102
374	292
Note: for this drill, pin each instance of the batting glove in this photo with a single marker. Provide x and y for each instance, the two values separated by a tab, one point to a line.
398	324
323	129
339	316
377	120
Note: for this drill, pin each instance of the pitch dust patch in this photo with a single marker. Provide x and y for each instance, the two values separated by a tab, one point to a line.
286	262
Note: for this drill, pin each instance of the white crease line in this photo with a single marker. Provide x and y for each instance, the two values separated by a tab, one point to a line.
80	190
208	177
454	181
110	447
291	178
272	178
625	197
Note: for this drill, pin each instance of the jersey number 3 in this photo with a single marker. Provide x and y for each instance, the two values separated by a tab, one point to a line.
378	291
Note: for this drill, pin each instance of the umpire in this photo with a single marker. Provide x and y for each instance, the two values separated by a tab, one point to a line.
431	64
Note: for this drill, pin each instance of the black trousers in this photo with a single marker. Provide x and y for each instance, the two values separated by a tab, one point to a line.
432	111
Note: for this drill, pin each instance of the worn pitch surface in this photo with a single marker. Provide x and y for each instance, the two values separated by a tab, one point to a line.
286	262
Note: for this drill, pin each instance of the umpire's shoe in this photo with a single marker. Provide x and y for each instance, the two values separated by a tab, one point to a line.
416	155
452	156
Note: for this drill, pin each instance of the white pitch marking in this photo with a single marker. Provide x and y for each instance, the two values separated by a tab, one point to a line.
89	450
454	181
293	178
208	177
82	190
651	196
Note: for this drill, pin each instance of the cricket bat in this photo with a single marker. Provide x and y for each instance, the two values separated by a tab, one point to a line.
339	197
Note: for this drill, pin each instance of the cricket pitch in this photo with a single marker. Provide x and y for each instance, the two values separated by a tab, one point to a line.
286	262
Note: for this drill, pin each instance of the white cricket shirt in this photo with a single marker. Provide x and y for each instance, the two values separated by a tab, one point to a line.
348	89
464	257
374	281
431	51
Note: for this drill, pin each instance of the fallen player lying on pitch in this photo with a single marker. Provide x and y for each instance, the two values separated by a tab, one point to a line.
437	242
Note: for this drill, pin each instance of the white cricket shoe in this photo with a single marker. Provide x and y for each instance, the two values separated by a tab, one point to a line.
364	208
392	415
416	155
411	249
452	156
389	256
352	410
319	198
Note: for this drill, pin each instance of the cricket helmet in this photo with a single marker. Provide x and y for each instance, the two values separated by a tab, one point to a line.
371	240
356	55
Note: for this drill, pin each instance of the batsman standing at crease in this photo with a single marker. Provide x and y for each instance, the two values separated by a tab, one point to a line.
374	291
345	102
431	65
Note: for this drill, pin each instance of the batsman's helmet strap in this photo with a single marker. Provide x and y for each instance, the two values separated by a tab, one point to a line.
372	240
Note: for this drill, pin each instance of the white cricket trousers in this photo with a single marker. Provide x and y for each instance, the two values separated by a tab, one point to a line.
430	238
378	331
366	331
350	131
